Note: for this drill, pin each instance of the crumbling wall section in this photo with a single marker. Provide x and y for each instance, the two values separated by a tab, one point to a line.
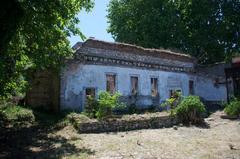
75	78
44	91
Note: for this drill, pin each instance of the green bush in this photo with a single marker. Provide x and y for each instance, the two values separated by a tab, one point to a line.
233	108
107	103
132	109
172	102
16	114
190	110
103	106
75	119
91	107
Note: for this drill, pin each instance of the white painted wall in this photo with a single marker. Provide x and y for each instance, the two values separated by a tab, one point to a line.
204	87
76	77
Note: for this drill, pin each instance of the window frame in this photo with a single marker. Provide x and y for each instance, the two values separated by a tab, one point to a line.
157	87
175	90
84	95
138	84
116	83
191	91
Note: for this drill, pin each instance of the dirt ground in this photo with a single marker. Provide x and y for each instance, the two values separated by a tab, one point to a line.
220	140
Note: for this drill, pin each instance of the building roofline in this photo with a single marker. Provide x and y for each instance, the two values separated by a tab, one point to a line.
129	48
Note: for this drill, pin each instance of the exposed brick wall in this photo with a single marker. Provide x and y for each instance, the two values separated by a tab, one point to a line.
44	91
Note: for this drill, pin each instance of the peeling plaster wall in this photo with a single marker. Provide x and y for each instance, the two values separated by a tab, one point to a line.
76	77
205	88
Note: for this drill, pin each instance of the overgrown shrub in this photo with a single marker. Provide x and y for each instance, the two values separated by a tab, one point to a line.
75	119
190	110
132	109
107	103
103	106
16	114
172	102
91	107
233	108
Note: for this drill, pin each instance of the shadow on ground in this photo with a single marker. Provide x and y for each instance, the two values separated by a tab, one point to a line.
34	141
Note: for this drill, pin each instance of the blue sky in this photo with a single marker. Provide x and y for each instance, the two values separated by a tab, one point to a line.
94	23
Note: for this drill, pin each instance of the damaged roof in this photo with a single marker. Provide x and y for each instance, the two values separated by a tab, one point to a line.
129	48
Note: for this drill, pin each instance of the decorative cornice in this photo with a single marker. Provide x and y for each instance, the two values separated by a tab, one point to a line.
133	49
88	59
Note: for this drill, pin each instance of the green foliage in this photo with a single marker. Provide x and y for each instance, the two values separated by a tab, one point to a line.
75	119
208	30
233	108
91	107
190	110
107	103
132	109
173	101
11	14
21	116
39	40
16	114
103	106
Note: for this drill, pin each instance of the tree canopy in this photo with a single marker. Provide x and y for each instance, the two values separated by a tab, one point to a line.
35	37
206	29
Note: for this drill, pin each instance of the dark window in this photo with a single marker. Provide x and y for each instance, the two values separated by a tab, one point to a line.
90	92
174	93
111	83
191	87
171	92
134	85
236	86
154	87
179	91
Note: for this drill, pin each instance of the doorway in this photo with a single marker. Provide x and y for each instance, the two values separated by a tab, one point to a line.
90	92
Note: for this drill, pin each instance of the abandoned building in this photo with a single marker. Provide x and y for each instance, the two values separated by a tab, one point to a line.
145	77
233	78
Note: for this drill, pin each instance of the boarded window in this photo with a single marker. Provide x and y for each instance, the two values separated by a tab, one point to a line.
90	92
154	87
191	87
134	85
111	83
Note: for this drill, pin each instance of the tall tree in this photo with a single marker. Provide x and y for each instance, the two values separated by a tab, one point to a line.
206	29
10	16
39	39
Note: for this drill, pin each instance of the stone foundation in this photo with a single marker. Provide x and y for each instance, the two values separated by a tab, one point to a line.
126	123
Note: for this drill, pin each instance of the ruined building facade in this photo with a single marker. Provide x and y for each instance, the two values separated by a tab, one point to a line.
145	77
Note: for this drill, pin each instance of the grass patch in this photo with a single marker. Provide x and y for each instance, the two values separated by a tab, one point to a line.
16	114
233	108
21	116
